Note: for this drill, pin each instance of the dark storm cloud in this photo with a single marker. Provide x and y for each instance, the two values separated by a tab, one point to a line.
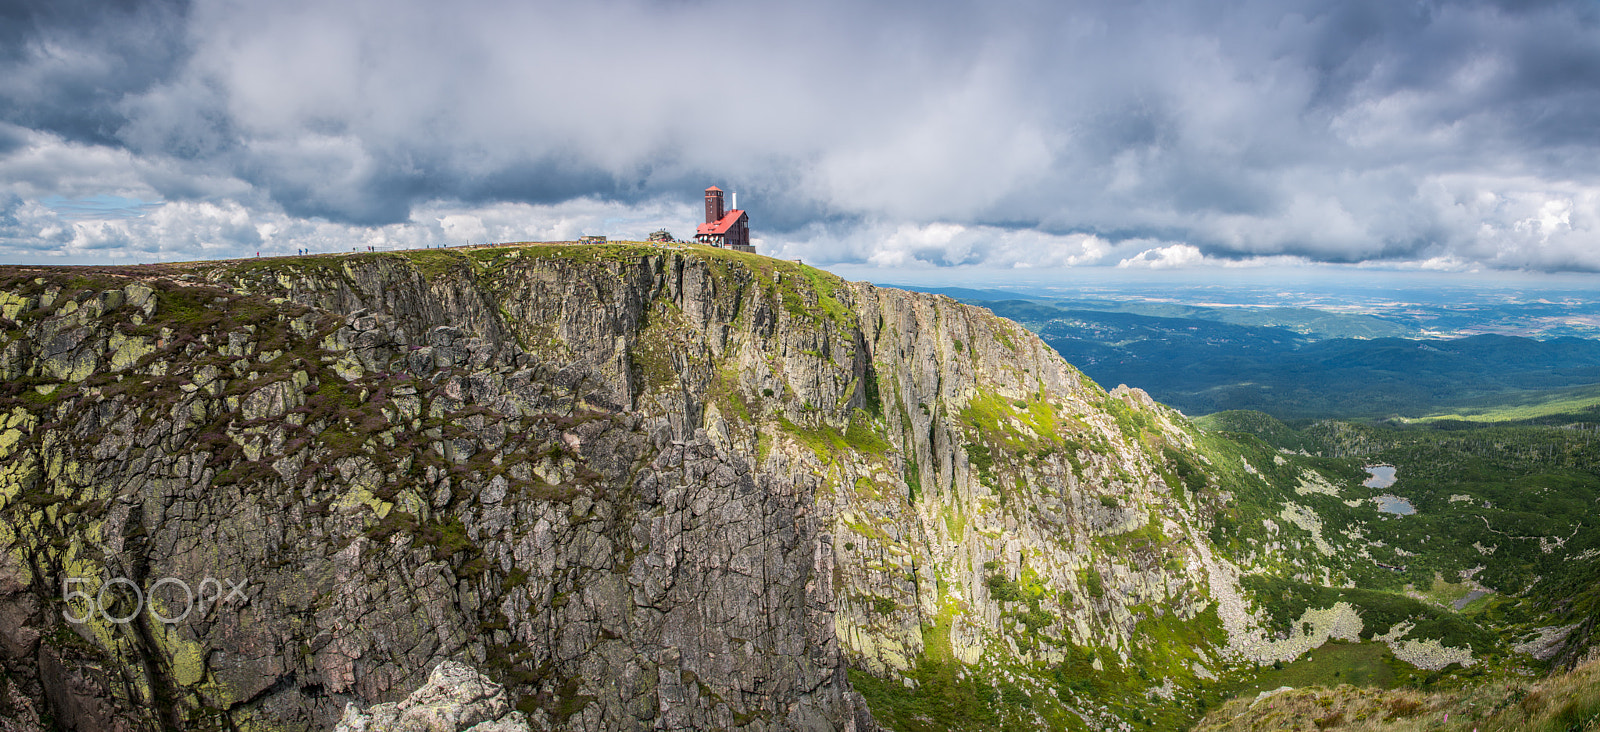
948	132
11	138
67	63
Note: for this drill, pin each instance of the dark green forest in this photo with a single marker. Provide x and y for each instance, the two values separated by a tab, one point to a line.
1513	505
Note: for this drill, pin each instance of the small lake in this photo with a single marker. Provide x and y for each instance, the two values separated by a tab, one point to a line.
1382	476
1394	504
1462	603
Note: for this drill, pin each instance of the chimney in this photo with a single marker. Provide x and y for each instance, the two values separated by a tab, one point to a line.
735	205
714	212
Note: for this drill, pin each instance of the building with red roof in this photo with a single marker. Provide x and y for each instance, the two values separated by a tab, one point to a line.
729	229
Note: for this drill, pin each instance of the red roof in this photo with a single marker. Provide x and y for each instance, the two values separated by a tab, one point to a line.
722	225
713	188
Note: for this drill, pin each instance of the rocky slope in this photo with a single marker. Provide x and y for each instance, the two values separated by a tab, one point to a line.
1557	703
662	487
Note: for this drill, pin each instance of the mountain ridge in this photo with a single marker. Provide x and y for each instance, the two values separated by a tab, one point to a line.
745	490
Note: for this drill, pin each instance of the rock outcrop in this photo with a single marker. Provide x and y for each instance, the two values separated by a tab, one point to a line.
455	699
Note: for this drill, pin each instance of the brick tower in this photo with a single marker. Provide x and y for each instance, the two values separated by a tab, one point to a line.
714	210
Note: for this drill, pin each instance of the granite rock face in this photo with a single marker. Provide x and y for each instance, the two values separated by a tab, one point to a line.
636	487
353	470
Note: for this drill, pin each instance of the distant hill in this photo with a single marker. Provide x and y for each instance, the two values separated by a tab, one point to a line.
1203	366
1547	406
1305	321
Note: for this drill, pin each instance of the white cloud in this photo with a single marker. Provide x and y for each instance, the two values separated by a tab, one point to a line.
945	244
1170	257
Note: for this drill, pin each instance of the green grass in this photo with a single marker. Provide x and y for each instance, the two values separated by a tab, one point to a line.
1568	702
943	699
1133	422
1576	715
1335	663
1092	583
1147	536
826	286
805	292
185	307
860	435
1445	593
435	262
1005	430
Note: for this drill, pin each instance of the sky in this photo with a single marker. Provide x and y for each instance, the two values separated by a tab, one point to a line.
890	137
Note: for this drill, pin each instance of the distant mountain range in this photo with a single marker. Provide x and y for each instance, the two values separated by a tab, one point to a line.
1298	363
1444	313
1309	321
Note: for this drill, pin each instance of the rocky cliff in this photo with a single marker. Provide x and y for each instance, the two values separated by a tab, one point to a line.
664	487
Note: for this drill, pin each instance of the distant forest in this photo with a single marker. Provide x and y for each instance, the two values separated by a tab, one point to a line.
1202	366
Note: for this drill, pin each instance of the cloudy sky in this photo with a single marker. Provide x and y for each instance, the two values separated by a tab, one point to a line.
897	135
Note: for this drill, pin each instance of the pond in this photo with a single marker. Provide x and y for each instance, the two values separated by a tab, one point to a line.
1382	476
1394	504
1462	603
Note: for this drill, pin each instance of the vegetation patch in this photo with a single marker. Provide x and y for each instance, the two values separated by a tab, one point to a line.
860	435
1334	663
1568	702
1285	601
